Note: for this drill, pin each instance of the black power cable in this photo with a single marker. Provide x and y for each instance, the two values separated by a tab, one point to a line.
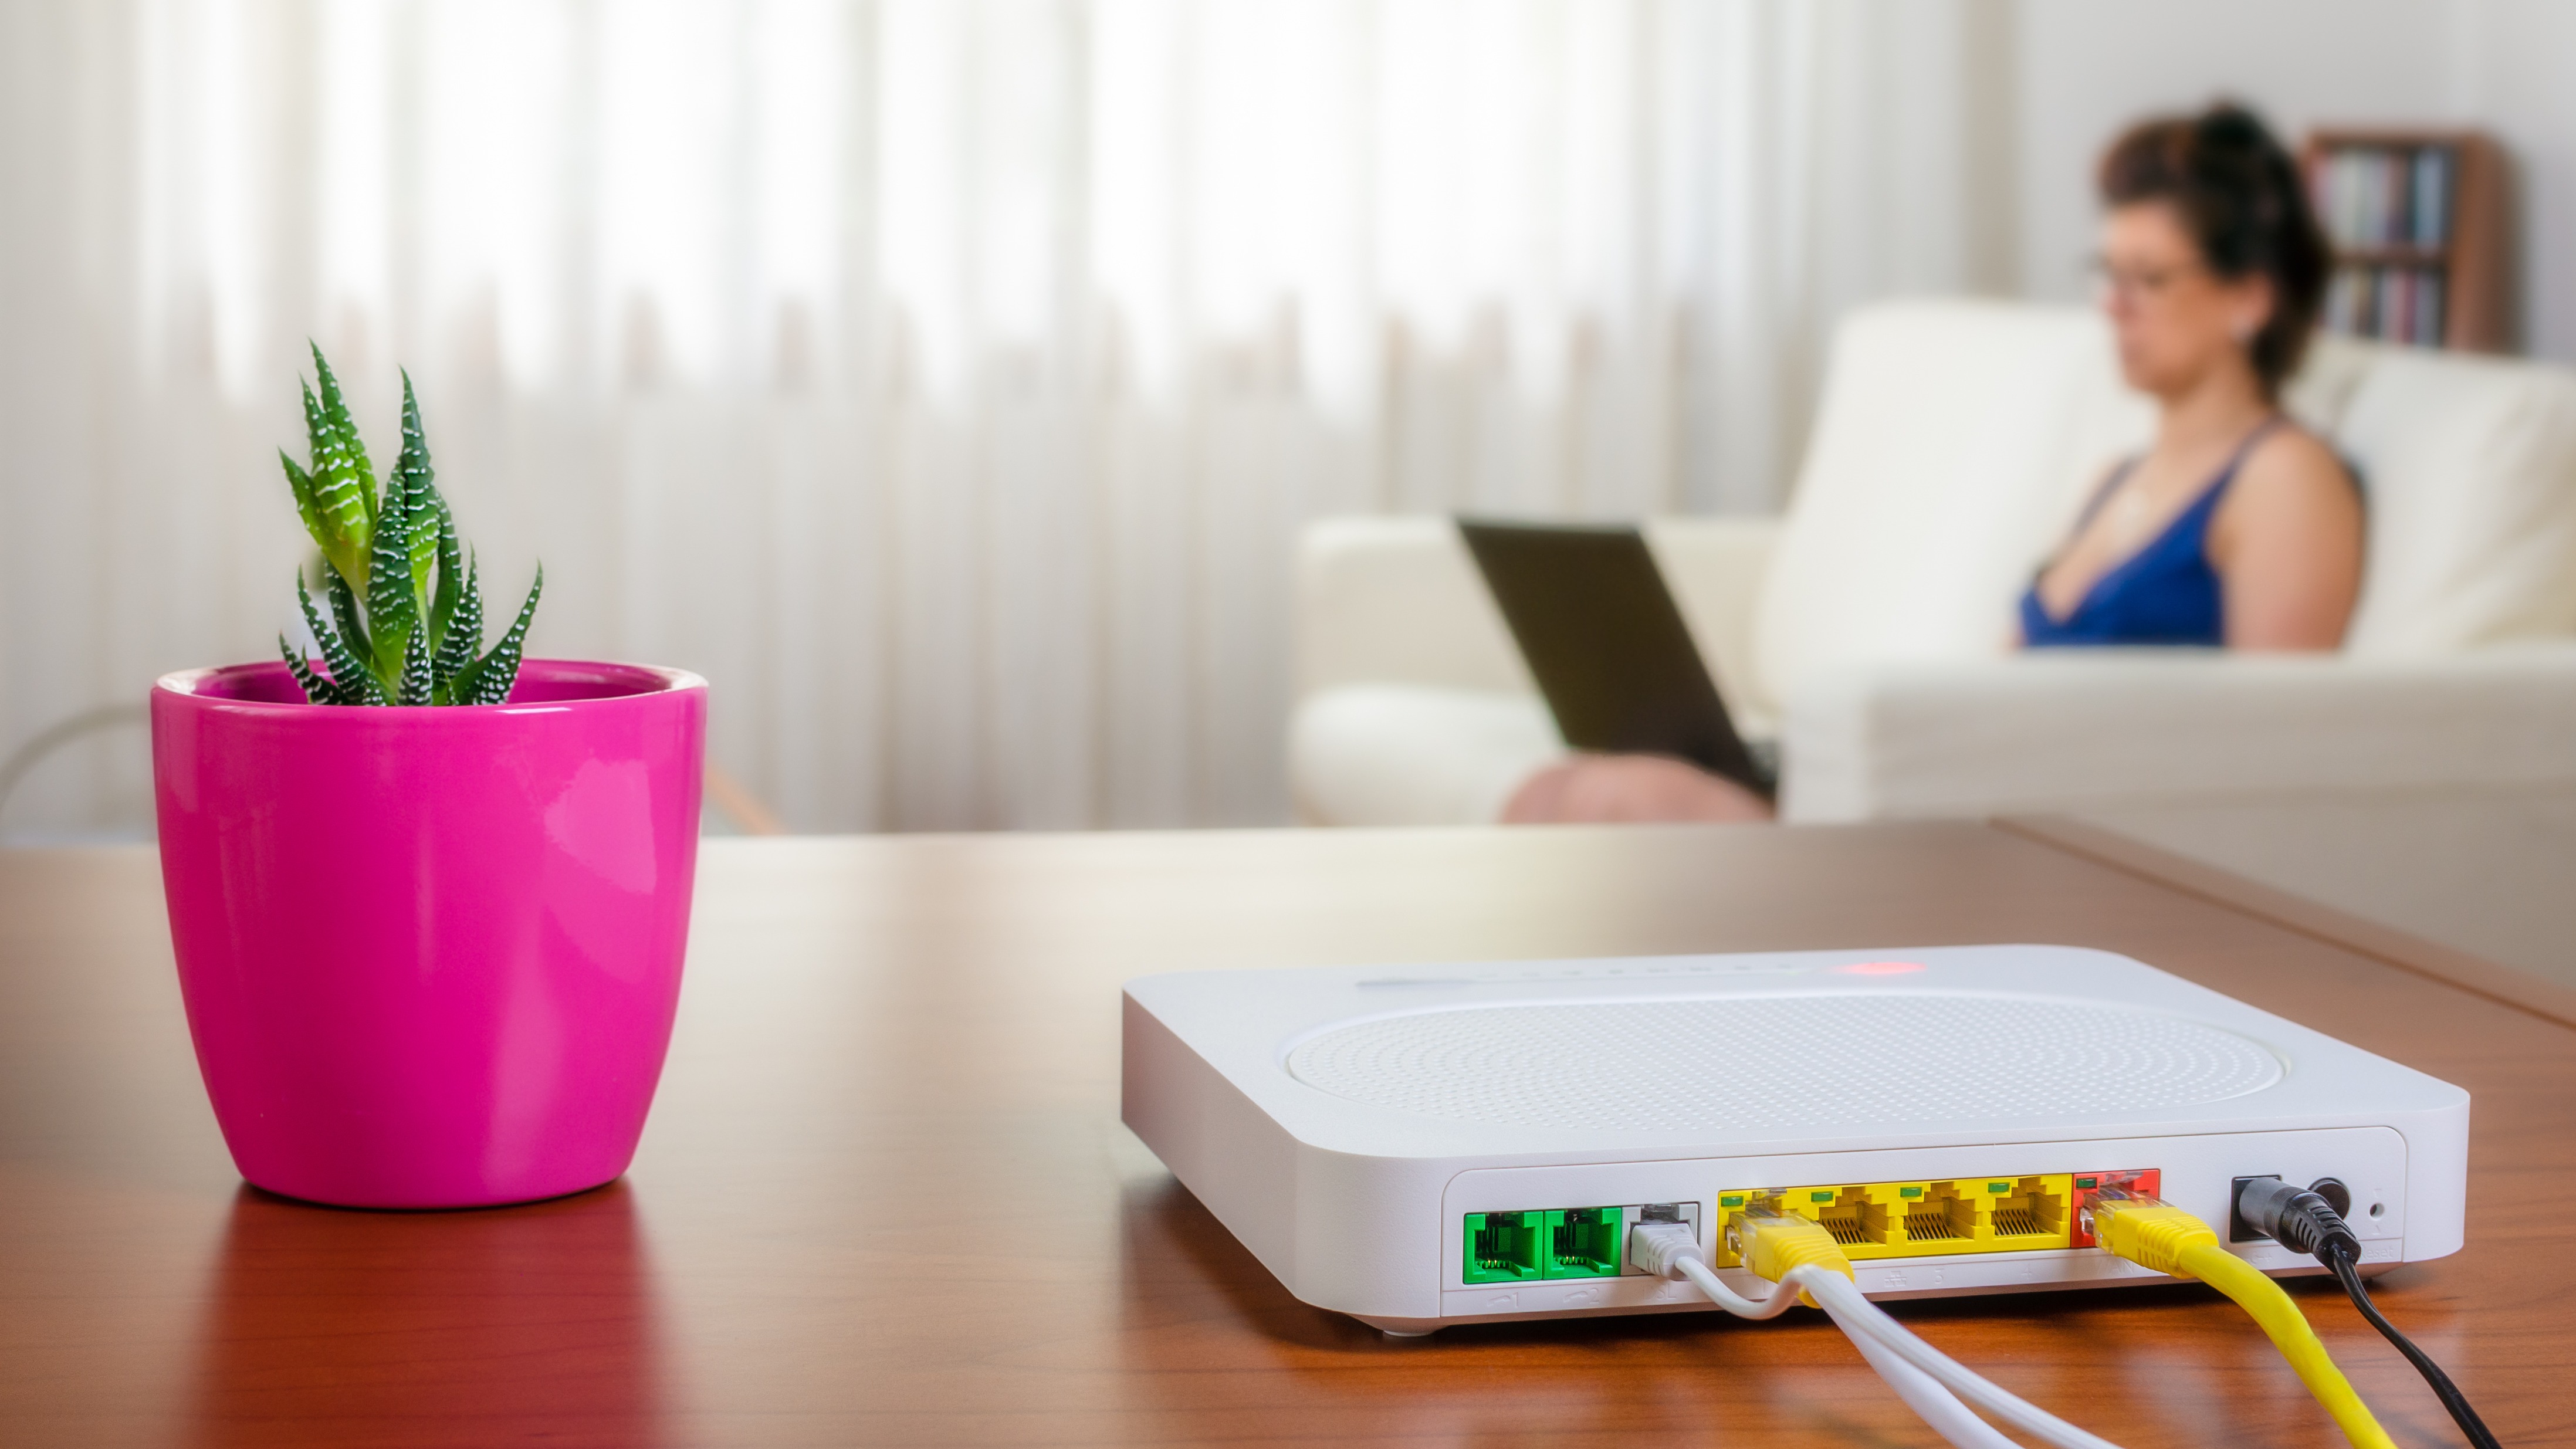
2348	1273
2305	1222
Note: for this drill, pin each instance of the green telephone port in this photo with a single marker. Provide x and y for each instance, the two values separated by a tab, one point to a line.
1506	1247
1584	1242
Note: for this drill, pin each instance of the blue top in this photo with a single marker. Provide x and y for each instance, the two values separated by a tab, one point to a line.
2165	593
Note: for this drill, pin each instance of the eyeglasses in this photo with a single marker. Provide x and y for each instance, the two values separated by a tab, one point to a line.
2140	284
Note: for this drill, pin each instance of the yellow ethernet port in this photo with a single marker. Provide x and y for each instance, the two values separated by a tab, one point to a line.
1924	1219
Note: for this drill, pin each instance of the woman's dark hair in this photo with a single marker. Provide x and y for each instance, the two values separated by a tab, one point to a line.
2240	196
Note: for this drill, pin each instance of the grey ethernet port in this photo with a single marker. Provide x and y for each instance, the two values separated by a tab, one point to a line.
1656	1212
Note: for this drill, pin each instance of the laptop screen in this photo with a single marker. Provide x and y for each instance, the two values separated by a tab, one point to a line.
1607	644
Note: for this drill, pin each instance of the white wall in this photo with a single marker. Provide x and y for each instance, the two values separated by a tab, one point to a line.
2517	77
2086	69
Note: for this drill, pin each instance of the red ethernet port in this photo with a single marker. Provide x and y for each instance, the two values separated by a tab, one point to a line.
2140	1181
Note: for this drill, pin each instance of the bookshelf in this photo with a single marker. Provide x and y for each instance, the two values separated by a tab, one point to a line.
2417	218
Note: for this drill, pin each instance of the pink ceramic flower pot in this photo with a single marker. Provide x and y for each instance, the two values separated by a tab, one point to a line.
430	956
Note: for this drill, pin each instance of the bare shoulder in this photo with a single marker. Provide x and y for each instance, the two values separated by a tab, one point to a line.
2293	474
2287	543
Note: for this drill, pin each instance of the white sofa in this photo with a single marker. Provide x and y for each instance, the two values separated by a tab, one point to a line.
1869	627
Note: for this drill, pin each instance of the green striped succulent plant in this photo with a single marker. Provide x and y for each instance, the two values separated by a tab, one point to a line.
406	623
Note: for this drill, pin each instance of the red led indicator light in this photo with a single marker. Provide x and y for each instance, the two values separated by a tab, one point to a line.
1879	968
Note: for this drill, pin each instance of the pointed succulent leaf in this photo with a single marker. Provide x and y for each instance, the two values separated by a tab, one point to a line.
442	604
418	485
355	683
344	493
344	612
306	507
344	433
392	608
316	689
488	679
416	684
464	633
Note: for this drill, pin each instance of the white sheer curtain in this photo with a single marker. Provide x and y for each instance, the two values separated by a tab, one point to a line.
944	379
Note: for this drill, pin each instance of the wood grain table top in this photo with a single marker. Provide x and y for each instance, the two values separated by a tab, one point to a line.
885	1197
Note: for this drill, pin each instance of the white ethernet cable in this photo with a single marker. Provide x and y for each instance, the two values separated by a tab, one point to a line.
1842	1299
1932	1403
1925	1376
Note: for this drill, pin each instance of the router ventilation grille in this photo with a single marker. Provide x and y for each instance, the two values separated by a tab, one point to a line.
1884	1059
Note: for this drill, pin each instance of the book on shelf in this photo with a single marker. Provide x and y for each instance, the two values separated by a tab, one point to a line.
2432	197
2393	304
2374	198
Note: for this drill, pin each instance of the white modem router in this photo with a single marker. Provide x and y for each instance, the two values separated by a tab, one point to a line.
1428	1145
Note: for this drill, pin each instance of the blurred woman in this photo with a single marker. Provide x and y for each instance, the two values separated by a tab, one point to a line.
2236	528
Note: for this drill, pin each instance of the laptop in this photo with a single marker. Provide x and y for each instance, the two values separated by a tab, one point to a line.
1607	645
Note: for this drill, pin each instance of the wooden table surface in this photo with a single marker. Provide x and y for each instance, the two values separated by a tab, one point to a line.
885	1197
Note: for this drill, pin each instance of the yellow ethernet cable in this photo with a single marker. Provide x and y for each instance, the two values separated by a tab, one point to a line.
1773	1243
2158	1235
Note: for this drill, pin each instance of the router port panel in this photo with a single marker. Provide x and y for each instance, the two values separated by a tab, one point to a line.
1866	1198
1924	1219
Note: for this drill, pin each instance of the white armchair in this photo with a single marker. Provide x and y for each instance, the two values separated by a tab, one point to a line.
1870	626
